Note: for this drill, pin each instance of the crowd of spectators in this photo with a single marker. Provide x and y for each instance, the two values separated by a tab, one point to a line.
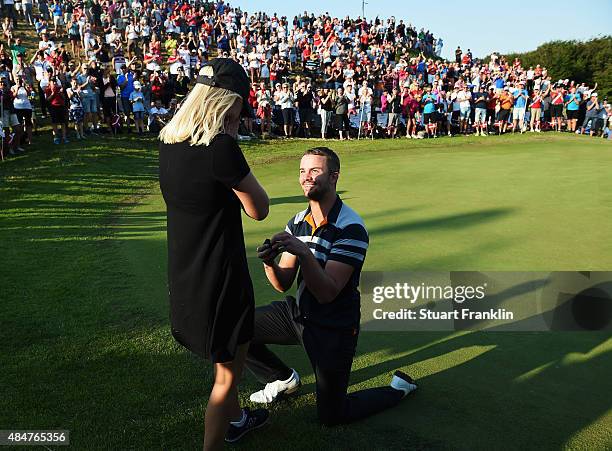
110	67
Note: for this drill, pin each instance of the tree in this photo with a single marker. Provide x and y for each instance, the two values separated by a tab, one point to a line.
583	61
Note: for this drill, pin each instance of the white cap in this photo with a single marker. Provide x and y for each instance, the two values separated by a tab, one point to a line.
137	85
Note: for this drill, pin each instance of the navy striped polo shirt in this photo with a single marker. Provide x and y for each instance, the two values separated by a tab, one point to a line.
341	237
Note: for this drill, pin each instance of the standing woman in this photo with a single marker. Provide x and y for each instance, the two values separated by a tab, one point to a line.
325	109
556	107
23	107
109	100
74	35
54	95
75	110
205	181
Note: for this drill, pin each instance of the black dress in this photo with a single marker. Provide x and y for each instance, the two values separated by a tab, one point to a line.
211	293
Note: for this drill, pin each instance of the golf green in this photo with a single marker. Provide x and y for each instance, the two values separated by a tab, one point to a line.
85	332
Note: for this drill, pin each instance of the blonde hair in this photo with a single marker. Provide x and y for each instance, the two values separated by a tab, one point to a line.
201	116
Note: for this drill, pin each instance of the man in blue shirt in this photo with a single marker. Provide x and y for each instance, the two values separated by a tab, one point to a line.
439	45
572	104
499	81
520	103
125	81
221	8
429	107
58	20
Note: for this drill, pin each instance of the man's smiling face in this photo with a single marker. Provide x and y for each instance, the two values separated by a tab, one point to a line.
315	179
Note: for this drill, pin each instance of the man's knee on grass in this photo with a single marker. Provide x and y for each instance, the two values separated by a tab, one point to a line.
330	419
330	414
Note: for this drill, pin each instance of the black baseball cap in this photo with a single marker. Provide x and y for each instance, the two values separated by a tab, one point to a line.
230	75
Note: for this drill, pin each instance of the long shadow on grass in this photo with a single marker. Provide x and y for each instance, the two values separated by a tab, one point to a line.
80	221
58	270
494	387
456	221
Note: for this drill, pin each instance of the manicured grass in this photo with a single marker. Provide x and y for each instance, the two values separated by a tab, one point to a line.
85	338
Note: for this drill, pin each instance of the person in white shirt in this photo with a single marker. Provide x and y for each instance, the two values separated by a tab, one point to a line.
185	56
366	96
136	6
145	34
254	63
463	97
453	115
530	79
113	36
23	106
283	48
169	26
286	101
46	43
133	36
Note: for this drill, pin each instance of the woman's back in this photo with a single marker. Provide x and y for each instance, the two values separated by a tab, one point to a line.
207	267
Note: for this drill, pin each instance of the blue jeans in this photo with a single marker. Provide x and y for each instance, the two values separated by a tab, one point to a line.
28	13
89	104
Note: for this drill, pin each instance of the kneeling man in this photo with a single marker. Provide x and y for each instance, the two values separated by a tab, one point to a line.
325	247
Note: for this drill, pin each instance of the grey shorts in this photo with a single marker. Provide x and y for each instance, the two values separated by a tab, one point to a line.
480	116
393	120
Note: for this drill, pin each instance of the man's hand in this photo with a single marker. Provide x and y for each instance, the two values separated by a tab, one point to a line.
266	253
285	242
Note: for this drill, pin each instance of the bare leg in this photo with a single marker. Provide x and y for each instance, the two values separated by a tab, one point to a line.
223	405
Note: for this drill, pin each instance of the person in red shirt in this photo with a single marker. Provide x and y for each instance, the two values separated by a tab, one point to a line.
409	107
491	105
317	40
536	110
364	40
151	60
248	122
327	28
9	119
56	100
306	54
208	29
557	97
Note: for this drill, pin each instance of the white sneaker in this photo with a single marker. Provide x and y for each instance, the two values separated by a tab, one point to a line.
277	389
401	381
